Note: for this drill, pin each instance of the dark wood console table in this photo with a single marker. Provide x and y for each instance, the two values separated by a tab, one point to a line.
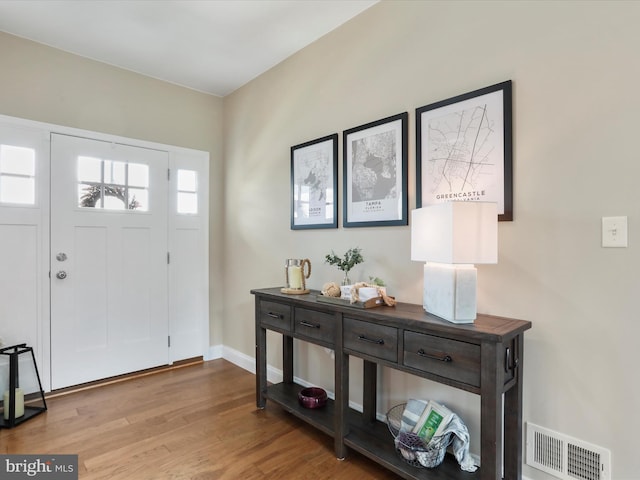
485	358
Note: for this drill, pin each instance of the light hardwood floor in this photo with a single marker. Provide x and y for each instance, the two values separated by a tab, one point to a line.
196	422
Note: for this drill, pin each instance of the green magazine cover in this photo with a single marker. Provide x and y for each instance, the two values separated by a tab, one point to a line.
432	421
431	424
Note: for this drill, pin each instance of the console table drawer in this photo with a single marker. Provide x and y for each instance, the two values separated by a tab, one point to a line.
315	325
275	315
459	361
372	339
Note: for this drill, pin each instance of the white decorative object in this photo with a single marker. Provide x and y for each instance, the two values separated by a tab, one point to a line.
367	293
345	291
451	237
295	277
19	403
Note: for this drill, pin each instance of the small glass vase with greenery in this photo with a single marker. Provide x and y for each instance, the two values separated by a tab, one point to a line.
351	258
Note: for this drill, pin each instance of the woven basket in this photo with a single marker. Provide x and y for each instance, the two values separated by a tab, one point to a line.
411	447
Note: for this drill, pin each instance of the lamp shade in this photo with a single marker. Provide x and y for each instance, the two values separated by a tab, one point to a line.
455	232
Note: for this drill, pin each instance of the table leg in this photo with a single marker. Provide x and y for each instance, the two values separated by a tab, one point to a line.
513	416
341	403
287	359
370	384
491	381
261	366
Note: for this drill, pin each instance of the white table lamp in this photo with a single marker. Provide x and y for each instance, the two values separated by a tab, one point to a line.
451	237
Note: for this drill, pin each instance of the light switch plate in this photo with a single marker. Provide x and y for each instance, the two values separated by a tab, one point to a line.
614	232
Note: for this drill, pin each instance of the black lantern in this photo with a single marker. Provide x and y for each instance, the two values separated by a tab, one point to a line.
22	395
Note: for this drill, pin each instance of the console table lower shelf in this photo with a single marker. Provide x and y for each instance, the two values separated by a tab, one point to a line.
371	439
286	395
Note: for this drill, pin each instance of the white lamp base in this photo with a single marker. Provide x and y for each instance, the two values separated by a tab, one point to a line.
450	291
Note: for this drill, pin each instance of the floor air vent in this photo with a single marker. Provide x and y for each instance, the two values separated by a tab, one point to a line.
565	457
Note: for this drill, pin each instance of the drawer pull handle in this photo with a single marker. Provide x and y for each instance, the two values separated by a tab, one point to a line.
507	359
510	360
443	358
310	325
274	315
377	341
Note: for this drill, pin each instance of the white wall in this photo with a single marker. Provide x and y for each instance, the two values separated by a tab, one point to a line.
575	71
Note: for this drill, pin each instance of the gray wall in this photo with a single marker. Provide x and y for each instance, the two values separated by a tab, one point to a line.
575	73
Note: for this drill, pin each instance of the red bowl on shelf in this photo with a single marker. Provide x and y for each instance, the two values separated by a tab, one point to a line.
312	397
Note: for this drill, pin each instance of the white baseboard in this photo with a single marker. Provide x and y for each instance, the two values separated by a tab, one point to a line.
215	352
238	358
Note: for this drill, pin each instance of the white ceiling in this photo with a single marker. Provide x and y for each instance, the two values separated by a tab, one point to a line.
214	46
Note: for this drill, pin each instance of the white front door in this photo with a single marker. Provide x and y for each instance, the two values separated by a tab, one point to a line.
109	312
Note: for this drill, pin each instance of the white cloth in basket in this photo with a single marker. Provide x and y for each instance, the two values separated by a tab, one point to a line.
456	426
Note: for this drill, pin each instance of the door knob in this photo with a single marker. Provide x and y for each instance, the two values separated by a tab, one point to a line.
61	275
61	257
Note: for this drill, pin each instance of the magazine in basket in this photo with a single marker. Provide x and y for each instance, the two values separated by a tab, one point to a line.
433	421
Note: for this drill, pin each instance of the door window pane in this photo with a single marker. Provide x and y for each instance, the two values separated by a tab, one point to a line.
19	190
114	172
89	169
187	183
187	180
17	175
114	198
17	160
90	195
187	202
138	175
138	199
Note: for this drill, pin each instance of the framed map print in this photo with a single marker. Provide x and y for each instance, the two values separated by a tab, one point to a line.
314	184
375	173
464	149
